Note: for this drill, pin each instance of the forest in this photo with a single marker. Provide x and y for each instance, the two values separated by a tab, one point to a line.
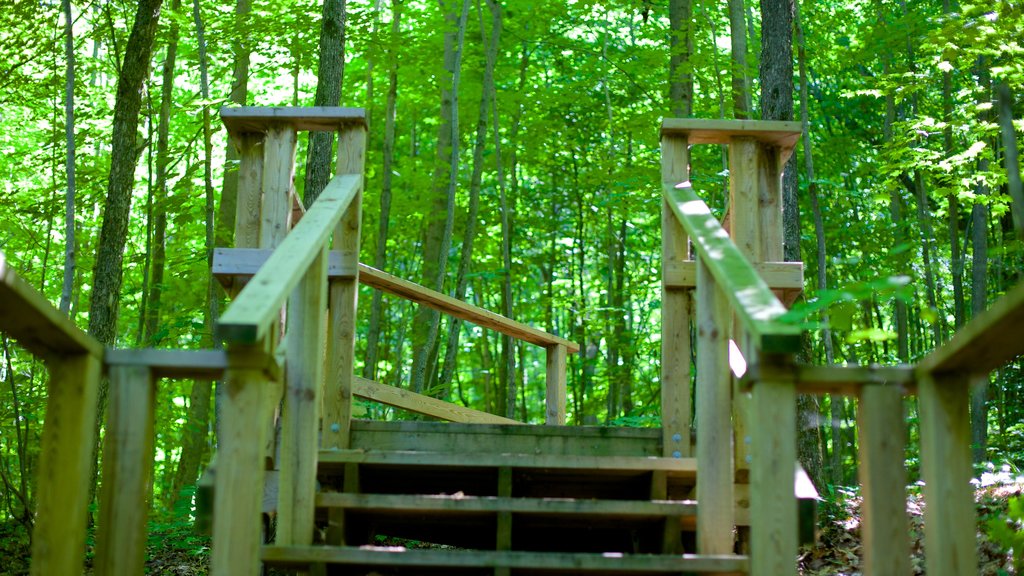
513	162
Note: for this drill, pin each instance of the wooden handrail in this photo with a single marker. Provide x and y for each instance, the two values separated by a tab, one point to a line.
29	318
755	305
250	315
229	263
985	343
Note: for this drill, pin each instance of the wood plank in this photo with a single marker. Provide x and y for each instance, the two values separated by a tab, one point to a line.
846	380
445	503
278	185
248	319
676	467
195	364
230	262
28	317
989	341
750	298
421	404
675	310
300	422
714	423
554	412
65	466
881	432
777	275
570	563
773	510
415	293
127	467
769	203
949	520
343	300
238	496
241	119
250	190
705	131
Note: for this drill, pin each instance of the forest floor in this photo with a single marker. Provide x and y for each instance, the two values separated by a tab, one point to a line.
175	550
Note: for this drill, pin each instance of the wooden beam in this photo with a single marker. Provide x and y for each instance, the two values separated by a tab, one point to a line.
458	503
249	317
554	413
237	262
777	275
343	300
702	131
750	298
65	465
300	421
127	467
675	312
244	119
250	187
881	431
714	423
28	317
195	364
420	404
949	519
989	341
845	380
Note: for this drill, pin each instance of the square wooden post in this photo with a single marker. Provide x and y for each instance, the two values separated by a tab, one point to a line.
554	413
65	465
127	467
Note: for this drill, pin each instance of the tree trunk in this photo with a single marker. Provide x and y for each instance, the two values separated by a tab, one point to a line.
440	219
380	256
69	134
979	278
740	77
241	49
680	86
328	93
1014	185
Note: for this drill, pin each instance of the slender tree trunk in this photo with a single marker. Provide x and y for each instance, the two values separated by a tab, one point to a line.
440	219
979	277
330	77
69	135
740	76
159	258
380	256
1016	188
680	85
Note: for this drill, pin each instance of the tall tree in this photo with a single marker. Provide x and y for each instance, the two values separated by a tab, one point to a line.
680	87
330	78
69	135
740	76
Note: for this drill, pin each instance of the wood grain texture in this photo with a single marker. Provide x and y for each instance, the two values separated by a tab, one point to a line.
675	310
714	423
248	319
248	402
949	522
300	422
278	184
443	503
343	298
242	119
987	342
28	317
773	509
127	467
881	431
250	190
702	131
420	404
65	466
196	364
846	380
554	410
777	275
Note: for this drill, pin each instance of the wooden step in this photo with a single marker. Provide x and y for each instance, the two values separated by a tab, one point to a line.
415	561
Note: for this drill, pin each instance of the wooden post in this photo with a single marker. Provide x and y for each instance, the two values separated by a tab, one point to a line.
746	234
503	538
238	499
250	185
883	479
675	309
949	523
343	300
556	392
65	466
714	426
302	401
278	180
773	509
127	466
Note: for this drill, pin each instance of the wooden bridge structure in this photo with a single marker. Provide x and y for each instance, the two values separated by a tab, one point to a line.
499	497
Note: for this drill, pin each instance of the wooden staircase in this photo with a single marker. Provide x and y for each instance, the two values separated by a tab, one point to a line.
502	499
